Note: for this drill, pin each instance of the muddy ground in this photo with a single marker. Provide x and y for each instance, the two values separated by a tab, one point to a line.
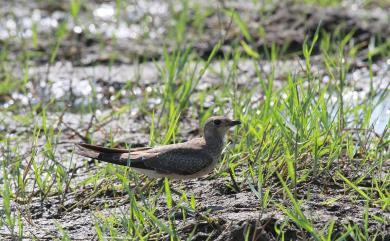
130	52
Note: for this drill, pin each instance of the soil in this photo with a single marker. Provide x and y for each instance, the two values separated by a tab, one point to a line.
223	213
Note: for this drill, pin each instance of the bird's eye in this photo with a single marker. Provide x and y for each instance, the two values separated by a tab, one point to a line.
217	122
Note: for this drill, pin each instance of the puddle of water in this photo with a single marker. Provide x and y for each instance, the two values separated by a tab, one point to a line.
357	92
380	117
105	11
137	20
66	80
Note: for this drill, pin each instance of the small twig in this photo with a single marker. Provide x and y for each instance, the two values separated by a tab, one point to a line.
90	124
77	133
103	124
61	117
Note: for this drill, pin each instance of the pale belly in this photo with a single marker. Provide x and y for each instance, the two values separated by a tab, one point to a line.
154	174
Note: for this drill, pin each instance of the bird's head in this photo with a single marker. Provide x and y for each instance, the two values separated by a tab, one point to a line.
217	126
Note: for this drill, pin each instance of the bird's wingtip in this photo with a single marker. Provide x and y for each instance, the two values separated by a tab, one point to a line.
82	145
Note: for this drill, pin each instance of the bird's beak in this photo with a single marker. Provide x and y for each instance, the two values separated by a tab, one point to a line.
235	122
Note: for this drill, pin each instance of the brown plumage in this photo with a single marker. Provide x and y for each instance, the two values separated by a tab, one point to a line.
190	159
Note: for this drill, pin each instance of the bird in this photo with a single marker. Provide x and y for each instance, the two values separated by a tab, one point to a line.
192	159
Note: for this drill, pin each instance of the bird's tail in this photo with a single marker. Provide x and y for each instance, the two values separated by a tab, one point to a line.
111	155
101	149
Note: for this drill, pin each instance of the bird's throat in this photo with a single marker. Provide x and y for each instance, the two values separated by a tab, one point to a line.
214	143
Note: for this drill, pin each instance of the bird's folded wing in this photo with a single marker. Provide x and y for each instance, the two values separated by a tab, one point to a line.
178	161
174	159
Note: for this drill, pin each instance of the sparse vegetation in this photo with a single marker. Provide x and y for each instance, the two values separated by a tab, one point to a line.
310	161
